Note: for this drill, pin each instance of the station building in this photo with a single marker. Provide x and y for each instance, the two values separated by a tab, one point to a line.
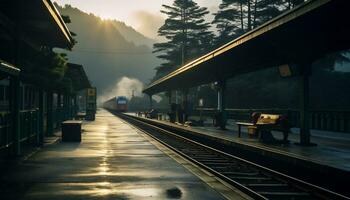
33	100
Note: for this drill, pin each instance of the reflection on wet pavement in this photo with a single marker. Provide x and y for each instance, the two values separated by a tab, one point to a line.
112	162
174	193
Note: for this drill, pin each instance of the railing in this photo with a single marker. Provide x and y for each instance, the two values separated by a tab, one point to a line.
29	124
29	127
328	120
62	114
5	131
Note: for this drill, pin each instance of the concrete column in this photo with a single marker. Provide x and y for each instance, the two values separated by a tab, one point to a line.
304	104
15	112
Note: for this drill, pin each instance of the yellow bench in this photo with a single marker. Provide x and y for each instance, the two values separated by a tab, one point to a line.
265	122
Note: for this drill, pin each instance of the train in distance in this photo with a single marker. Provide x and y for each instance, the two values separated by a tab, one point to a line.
119	104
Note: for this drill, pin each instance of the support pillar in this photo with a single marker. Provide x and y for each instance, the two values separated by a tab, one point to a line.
71	106
49	104
221	95
172	113
59	109
15	112
65	107
176	100
177	108
304	104
150	101
169	96
185	105
41	118
221	103
75	105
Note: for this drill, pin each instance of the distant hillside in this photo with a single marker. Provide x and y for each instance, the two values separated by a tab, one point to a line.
109	49
131	35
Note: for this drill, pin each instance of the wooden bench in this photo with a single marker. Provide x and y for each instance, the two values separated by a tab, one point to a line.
262	125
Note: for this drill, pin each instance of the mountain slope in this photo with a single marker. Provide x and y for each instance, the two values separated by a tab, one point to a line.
109	50
132	35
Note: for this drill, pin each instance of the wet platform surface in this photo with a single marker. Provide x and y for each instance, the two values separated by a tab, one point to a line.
113	161
333	149
330	151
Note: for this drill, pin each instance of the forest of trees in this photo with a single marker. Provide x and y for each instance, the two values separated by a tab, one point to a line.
189	35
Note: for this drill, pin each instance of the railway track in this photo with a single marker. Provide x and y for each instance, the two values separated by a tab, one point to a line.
254	180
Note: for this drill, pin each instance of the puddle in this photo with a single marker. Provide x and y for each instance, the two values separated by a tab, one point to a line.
174	193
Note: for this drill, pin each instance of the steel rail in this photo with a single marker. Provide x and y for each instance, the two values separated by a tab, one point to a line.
301	189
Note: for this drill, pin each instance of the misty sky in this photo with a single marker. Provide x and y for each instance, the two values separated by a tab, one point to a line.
143	15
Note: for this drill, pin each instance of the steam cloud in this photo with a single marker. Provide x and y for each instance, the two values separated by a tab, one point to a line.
148	23
123	87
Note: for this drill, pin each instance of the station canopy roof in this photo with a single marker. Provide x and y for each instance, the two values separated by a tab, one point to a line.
78	76
308	32
38	21
8	69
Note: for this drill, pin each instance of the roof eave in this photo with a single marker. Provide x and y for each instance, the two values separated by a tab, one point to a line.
56	17
9	69
275	22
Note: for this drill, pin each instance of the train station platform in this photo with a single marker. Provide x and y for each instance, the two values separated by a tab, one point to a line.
330	157
113	161
332	149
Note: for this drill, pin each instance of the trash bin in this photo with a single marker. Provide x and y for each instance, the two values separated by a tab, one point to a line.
71	131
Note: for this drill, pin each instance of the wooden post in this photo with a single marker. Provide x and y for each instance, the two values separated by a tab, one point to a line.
15	112
304	104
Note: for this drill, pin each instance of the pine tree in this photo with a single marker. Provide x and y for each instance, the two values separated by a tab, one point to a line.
236	17
188	35
229	21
